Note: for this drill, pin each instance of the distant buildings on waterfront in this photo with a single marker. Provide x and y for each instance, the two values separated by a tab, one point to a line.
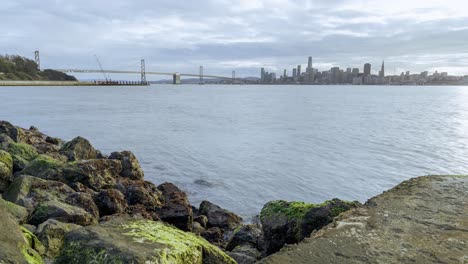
353	76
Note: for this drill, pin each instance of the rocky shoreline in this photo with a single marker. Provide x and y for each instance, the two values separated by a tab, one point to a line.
66	202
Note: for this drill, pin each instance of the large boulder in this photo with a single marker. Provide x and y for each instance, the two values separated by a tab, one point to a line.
15	247
6	169
176	209
290	222
22	155
85	201
219	217
110	202
245	235
61	211
20	213
52	235
245	254
47	199
138	242
130	165
79	149
141	193
15	133
95	174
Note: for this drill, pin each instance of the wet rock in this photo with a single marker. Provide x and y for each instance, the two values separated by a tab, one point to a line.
130	165
45	167
290	222
14	245
202	220
219	217
85	201
110	202
245	254
52	235
138	242
62	212
249	235
6	169
204	183
176	209
96	174
79	149
197	228
141	192
22	155
15	133
29	191
54	141
214	235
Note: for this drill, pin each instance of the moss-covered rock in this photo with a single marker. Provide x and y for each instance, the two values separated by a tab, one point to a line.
33	241
79	149
138	241
20	213
52	234
15	133
290	222
6	169
45	167
14	246
96	174
130	165
61	211
22	154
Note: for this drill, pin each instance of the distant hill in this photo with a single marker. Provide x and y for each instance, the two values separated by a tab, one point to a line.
17	68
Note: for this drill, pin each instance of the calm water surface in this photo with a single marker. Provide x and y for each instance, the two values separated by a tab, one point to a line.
241	146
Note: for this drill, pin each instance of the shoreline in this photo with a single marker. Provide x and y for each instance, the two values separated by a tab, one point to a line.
63	200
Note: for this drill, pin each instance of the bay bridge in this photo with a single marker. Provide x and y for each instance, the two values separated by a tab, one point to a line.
176	77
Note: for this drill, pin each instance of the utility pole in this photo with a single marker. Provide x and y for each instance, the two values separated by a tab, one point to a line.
143	72
201	75
37	59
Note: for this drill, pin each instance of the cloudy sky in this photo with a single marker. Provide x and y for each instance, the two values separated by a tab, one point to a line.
242	35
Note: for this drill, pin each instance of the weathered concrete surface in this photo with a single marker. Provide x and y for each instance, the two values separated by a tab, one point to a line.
422	220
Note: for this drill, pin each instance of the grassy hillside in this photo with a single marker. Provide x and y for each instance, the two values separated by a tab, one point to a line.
14	67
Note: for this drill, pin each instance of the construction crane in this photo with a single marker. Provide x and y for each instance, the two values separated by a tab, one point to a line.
102	70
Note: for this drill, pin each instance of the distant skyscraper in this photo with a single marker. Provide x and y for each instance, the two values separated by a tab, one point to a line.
262	75
298	70
382	71
309	64
294	72
367	69
285	75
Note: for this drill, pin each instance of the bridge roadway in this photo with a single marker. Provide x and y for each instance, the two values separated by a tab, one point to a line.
139	72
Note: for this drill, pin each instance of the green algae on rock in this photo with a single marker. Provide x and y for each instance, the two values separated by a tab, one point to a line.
22	154
138	241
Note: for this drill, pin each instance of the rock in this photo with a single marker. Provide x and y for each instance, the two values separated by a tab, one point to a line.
62	212
197	228
20	213
214	235
138	242
246	254
52	235
219	217
46	199
422	220
22	154
96	174
29	191
45	167
39	141
5	141
141	193
130	165
176	209
6	169
14	245
33	241
79	149
85	201
202	220
245	235
15	133
110	202
54	141
30	228
290	222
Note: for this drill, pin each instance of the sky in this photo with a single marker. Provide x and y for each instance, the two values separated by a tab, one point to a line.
243	35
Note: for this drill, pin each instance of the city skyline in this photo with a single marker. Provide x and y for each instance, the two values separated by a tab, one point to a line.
244	35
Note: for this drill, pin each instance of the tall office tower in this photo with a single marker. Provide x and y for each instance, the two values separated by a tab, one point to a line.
367	69
298	70
285	75
355	71
309	65
262	75
382	71
294	73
